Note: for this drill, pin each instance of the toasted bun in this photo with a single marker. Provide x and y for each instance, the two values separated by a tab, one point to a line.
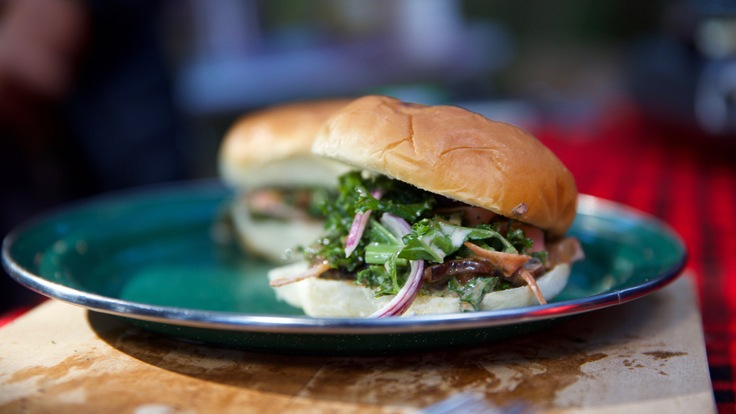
455	153
336	298
272	147
275	240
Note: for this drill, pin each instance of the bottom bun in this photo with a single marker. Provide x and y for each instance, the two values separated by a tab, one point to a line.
273	239
338	298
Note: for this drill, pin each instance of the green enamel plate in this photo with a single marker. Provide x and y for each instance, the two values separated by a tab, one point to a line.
156	257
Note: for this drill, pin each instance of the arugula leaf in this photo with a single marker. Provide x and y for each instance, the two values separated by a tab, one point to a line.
376	253
518	239
378	233
426	241
381	279
472	292
433	240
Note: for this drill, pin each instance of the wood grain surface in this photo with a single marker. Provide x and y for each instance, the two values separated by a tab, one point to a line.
643	356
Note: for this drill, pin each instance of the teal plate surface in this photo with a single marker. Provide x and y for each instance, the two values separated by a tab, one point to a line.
156	257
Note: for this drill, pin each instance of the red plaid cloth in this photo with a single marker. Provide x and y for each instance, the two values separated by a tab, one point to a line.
688	181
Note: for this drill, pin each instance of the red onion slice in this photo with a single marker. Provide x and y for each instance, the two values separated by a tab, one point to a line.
403	300
356	231
396	225
357	228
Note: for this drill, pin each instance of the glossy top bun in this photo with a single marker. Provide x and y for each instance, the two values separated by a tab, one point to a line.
456	153
272	147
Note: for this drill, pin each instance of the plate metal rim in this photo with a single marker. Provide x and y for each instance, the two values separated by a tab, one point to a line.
297	324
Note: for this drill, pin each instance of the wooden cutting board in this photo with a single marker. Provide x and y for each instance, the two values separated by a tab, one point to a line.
642	357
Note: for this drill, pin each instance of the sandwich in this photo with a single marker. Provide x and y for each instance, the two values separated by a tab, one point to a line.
266	157
443	211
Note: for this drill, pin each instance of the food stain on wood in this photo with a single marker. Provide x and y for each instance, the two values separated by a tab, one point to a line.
664	354
537	378
632	364
74	362
422	379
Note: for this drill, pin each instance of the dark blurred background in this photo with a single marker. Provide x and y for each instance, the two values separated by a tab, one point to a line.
97	96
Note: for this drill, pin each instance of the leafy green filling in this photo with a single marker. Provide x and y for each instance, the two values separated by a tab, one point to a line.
381	259
471	293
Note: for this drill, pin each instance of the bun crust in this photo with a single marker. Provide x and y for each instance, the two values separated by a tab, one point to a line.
455	153
278	138
337	298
